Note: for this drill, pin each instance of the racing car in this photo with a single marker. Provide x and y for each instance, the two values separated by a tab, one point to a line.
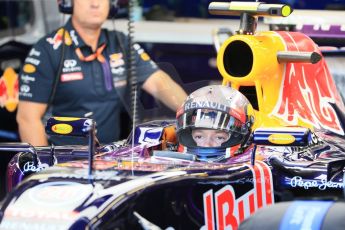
143	183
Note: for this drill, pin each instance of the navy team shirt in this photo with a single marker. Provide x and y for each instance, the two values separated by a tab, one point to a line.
85	88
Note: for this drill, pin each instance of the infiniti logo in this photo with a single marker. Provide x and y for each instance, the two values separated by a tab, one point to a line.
70	63
25	88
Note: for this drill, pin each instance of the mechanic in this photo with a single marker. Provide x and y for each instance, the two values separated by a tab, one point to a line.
90	65
215	123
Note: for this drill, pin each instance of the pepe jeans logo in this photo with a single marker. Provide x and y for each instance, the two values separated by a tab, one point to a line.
30	167
323	184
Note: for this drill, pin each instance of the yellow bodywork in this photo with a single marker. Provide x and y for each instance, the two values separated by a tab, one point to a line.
267	75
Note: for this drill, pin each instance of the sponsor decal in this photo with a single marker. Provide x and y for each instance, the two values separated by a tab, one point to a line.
205	105
9	90
40	214
50	202
145	57
29	68
150	135
24	89
56	41
34	52
20	224
137	47
118	71
30	167
83	173
322	184
27	225
308	99
59	193
222	210
74	37
72	77
62	128
116	60
26	78
87	125
70	65
238	181
281	138
153	64
117	63
24	94
33	61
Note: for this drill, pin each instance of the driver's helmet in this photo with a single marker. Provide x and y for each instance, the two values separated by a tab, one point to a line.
219	108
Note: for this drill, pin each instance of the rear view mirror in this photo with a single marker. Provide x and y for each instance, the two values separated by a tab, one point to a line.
282	136
68	126
72	126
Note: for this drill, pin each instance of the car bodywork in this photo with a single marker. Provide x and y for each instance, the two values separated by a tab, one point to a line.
297	151
166	188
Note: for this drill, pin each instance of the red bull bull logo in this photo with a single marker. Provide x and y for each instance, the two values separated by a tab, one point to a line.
9	90
223	211
56	41
308	98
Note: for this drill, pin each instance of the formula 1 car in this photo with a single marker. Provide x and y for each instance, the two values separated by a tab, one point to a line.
297	150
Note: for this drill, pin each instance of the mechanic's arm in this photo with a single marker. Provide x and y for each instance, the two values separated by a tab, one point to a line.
31	128
162	87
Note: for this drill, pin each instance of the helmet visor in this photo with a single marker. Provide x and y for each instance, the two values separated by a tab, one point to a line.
210	119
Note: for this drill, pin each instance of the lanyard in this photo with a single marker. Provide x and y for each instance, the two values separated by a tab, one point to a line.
105	65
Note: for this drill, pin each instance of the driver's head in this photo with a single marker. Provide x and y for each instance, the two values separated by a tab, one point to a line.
213	119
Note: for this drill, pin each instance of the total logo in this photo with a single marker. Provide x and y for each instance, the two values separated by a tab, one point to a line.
70	65
62	128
